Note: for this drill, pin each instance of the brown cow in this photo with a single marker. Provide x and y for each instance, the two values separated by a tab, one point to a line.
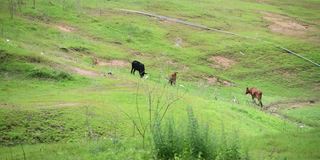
173	78
255	93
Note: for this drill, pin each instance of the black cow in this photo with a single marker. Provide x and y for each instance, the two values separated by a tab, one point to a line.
136	65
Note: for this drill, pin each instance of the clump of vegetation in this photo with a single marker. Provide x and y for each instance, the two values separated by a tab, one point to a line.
49	75
33	59
80	49
19	64
193	141
4	56
32	127
229	150
10	63
166	141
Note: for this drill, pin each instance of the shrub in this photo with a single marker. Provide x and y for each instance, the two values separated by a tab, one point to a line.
49	74
167	143
201	146
191	141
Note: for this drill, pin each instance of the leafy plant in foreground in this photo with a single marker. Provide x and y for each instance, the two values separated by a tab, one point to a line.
191	141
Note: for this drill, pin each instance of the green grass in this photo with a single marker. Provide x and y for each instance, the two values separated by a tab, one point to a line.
54	113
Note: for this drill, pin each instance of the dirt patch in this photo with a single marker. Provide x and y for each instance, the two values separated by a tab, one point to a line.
59	105
65	28
136	53
227	83
172	63
221	62
84	72
212	80
66	105
163	62
284	25
113	63
274	107
141	55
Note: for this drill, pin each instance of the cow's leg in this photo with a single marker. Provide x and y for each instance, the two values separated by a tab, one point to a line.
260	97
260	102
253	101
132	70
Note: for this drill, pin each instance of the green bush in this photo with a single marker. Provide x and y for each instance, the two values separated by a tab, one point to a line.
200	145
49	74
191	141
167	142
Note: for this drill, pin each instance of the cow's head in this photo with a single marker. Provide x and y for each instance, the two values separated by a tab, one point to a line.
247	91
142	74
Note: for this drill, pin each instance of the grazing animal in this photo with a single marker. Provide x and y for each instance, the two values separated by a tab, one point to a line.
255	93
173	78
138	66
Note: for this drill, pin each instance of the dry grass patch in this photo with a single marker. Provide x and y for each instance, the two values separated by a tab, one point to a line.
212	80
84	72
221	62
65	28
284	25
113	63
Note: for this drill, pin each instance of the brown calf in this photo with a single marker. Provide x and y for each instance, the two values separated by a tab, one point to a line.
173	78
255	93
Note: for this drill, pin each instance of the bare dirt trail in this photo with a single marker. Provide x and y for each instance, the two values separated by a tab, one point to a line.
290	104
64	27
59	105
274	109
84	72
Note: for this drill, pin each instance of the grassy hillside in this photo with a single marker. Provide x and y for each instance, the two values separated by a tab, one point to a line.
55	103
